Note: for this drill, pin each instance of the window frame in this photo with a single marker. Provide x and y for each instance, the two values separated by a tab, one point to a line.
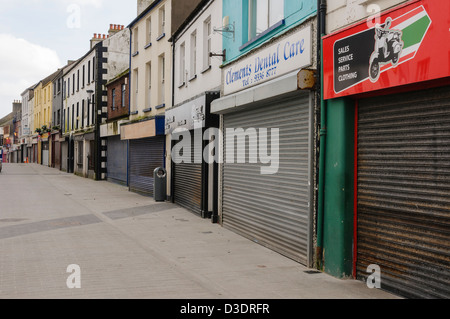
162	79
207	43
182	64
148	31
136	40
162	21
253	20
113	99
124	94
193	55
148	84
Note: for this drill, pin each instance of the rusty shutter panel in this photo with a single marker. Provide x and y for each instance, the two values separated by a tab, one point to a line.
404	192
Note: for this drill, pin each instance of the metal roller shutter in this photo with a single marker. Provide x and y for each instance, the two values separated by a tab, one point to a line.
188	182
117	159
57	155
145	156
45	153
273	210
404	192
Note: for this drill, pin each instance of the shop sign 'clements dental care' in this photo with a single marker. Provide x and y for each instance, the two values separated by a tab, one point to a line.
288	54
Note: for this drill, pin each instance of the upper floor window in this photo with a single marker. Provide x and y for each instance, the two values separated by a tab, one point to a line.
136	40
93	69
89	72
162	21
162	79
182	64
148	78
193	61
149	31
124	92
264	14
84	76
136	85
207	32
113	99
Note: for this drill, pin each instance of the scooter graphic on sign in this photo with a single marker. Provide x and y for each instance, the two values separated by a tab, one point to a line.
388	48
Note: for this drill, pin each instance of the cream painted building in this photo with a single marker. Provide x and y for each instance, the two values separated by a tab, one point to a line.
43	94
43	97
151	87
151	63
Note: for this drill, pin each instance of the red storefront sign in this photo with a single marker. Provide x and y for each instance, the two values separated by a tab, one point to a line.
410	45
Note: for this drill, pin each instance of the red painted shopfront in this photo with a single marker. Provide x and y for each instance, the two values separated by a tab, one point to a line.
394	78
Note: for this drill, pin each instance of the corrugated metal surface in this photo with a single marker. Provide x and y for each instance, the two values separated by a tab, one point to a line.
57	155
404	192
45	154
34	152
187	179
145	156
117	159
273	210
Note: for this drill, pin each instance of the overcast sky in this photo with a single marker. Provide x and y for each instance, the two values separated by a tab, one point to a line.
39	36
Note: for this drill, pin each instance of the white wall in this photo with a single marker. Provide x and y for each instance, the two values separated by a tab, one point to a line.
80	94
118	54
206	79
147	53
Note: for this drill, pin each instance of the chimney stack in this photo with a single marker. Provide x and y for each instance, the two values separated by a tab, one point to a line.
96	39
114	28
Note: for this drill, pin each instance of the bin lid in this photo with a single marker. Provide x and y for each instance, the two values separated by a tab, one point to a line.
160	172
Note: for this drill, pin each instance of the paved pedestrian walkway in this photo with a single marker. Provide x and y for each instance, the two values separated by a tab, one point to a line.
128	246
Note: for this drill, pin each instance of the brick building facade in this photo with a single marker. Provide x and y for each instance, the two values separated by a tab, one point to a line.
118	96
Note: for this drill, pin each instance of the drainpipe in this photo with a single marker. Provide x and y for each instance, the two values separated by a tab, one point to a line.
322	7
129	105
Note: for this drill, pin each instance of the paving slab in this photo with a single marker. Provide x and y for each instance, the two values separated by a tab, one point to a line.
128	246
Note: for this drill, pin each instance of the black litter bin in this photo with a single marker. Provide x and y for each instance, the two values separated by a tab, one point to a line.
160	184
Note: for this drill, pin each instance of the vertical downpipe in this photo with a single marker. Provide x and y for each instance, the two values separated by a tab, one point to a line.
129	106
355	193
322	7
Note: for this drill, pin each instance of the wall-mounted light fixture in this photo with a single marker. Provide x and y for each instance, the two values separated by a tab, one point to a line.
227	30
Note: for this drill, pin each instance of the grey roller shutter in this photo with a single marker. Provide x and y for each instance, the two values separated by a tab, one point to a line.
145	156
187	179
45	153
273	210
57	155
404	192
117	159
